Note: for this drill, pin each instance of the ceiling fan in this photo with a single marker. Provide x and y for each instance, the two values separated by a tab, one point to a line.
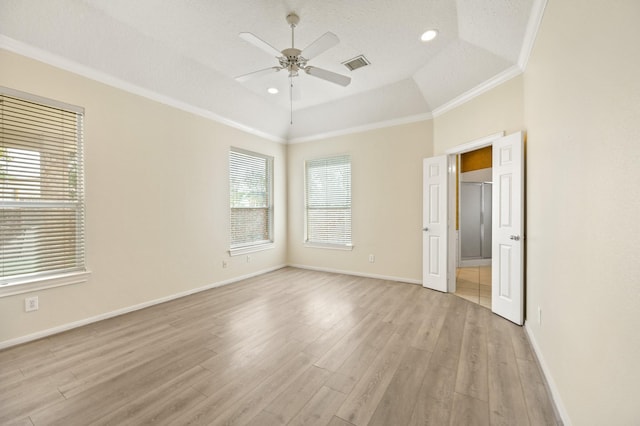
294	60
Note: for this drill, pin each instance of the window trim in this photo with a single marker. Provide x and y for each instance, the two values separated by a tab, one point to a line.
326	245
41	100
80	274
255	246
237	251
29	285
329	246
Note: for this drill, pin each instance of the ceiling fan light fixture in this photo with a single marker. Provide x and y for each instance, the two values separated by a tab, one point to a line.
429	35
272	91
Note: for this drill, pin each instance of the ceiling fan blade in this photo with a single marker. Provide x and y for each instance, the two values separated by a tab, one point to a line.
323	43
245	77
331	76
260	44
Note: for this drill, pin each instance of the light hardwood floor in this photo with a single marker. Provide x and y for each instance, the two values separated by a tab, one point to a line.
289	347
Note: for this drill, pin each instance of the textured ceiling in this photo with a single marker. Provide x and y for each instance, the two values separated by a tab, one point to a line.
189	51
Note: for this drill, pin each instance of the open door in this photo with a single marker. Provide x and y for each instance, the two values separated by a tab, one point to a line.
434	223
507	298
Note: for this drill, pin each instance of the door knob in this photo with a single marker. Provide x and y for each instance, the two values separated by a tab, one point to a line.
515	237
425	229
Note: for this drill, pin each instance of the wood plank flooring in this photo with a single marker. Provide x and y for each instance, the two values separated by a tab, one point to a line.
292	347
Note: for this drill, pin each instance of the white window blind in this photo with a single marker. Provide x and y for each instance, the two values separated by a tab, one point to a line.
250	178
41	188
328	201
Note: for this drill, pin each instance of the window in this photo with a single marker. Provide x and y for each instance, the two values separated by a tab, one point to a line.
41	188
250	178
328	201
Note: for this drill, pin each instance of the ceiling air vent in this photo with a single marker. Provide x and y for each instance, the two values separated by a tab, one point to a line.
357	62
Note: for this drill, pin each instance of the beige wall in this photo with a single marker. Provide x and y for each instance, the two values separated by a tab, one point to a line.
386	201
499	109
578	101
582	113
157	201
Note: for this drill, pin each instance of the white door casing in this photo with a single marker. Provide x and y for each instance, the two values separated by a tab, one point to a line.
434	223
507	294
507	222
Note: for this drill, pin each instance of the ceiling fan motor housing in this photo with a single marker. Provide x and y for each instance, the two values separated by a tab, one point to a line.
292	61
291	53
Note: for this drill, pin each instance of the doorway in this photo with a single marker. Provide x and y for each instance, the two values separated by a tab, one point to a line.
439	233
473	225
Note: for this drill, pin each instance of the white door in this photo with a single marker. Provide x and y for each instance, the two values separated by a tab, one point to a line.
507	294
434	223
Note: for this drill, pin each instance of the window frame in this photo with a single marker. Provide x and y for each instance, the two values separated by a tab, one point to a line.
255	245
50	278
328	244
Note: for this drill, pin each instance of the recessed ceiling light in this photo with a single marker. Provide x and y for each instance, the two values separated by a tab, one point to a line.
272	90
429	35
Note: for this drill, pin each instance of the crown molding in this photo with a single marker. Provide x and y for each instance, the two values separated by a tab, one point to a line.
493	82
359	129
533	25
535	20
57	61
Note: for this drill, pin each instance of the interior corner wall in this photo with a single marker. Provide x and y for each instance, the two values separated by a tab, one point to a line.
386	201
157	196
499	109
582	114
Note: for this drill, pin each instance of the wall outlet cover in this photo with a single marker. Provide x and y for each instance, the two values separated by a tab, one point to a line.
31	304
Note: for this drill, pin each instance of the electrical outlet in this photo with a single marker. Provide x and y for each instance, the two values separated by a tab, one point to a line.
372	258
539	315
225	264
31	304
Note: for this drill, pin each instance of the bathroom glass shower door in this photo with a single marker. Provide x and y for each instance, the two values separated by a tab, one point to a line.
475	221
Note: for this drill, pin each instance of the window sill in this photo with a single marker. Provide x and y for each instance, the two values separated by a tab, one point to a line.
250	249
328	246
36	284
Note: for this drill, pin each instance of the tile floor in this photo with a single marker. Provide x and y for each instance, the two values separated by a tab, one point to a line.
474	284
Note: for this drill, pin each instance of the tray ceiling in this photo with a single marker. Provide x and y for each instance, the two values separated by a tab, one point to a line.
189	52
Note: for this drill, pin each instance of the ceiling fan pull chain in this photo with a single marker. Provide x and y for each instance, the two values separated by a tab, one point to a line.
291	98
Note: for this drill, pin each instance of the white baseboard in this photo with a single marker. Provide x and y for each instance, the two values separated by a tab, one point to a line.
75	324
358	274
551	384
86	321
553	389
